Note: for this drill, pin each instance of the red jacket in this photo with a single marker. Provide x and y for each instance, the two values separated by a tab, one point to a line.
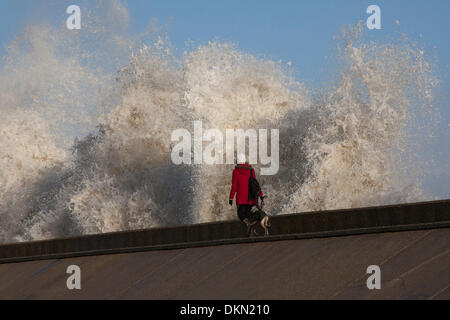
240	184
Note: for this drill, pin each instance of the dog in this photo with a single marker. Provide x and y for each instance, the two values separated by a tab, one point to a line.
258	215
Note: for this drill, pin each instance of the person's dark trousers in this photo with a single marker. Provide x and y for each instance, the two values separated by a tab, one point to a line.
243	211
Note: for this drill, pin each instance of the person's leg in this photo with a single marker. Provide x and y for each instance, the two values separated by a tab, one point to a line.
242	212
253	218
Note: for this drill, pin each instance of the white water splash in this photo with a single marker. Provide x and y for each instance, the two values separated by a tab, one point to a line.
344	146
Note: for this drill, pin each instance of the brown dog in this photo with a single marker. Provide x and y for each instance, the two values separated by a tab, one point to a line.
258	215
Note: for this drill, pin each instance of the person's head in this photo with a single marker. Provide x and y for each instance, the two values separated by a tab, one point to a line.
241	158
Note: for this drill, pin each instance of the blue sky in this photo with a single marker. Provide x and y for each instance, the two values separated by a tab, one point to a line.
298	31
290	30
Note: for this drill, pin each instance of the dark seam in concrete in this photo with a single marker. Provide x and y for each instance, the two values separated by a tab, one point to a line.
46	267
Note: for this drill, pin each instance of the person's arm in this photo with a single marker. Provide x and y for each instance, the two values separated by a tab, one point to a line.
233	190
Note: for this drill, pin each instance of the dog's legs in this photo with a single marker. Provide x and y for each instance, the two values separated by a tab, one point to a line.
250	227
265	224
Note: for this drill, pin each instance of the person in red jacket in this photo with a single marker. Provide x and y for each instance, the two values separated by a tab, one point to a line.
239	186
